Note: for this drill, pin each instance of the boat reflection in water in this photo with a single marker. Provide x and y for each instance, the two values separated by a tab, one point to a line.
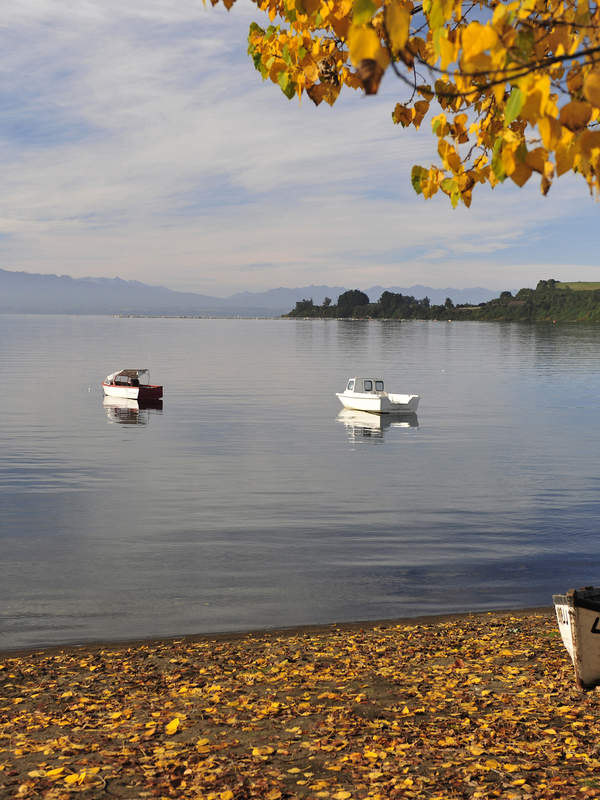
363	426
130	412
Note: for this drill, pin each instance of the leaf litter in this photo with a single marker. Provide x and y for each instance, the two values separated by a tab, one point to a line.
473	706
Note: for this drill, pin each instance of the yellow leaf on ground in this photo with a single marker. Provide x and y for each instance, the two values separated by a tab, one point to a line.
75	777
172	726
491	763
262	751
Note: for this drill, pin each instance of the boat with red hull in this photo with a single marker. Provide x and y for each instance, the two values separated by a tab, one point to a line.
132	384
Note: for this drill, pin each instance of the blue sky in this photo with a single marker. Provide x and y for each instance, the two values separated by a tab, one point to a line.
138	140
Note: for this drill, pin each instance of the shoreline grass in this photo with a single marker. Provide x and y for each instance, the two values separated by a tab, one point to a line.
461	706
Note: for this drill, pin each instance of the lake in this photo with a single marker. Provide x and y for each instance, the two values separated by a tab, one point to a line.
248	501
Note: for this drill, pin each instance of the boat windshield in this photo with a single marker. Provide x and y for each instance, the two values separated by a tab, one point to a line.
128	377
379	386
350	386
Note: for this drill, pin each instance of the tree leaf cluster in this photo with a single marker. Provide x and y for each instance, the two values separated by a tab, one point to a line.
511	87
478	706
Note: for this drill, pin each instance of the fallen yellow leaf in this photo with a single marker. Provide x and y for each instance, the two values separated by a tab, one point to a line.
55	773
172	726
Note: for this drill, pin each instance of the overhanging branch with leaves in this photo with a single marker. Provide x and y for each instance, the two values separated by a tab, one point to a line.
516	86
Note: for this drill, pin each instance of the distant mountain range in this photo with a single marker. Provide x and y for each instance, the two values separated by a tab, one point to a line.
30	293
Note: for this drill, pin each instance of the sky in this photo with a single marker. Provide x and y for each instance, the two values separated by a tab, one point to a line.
138	141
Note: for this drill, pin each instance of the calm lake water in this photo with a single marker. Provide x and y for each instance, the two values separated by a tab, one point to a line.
249	502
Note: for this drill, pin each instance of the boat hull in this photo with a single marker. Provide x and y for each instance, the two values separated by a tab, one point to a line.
380	404
578	616
142	393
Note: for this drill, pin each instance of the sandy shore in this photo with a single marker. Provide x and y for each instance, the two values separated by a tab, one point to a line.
428	619
461	706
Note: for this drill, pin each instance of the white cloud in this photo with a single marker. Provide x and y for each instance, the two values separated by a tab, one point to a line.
139	141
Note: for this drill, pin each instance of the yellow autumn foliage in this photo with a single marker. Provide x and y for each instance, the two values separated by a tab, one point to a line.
407	709
172	726
528	67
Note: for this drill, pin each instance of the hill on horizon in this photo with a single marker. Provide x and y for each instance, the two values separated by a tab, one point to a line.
37	293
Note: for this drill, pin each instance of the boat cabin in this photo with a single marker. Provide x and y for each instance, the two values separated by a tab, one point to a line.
365	385
128	377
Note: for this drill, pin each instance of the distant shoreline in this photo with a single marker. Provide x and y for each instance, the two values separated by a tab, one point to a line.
288	318
551	301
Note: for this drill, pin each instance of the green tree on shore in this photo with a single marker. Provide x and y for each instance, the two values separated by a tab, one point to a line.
352	301
549	301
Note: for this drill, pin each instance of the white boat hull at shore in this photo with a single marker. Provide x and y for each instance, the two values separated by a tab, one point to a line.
578	616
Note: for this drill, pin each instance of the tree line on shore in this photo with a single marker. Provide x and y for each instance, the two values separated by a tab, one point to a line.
550	301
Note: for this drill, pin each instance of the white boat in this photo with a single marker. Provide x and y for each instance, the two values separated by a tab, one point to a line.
368	394
578	615
131	384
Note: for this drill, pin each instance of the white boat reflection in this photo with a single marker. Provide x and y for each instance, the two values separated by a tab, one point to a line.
130	412
366	426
